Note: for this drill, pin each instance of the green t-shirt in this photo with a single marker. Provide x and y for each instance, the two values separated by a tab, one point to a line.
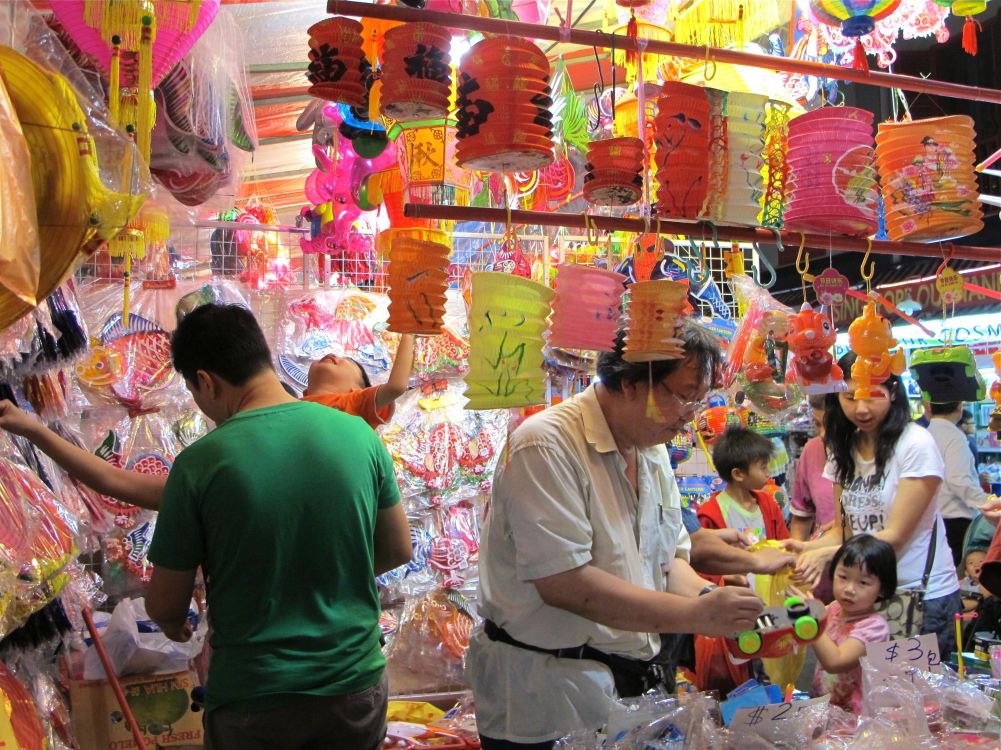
278	505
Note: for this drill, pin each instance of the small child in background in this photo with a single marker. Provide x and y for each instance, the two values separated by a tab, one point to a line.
969	585
741	458
864	571
977	599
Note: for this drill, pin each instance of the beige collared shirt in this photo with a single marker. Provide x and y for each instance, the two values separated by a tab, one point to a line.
560	501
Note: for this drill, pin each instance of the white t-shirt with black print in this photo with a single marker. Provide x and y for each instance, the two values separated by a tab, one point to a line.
867	502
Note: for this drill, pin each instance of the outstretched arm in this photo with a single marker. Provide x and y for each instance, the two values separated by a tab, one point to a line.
130	486
399	376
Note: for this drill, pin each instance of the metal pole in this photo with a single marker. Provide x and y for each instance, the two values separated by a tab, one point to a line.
672	49
790	240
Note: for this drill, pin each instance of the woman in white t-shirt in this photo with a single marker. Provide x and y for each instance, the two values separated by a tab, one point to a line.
886	472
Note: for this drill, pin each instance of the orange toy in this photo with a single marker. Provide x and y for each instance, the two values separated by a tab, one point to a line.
812	365
760	363
871	338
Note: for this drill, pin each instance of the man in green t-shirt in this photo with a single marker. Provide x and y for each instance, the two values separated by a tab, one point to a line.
291	509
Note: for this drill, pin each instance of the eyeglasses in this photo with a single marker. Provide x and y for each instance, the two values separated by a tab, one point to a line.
684	405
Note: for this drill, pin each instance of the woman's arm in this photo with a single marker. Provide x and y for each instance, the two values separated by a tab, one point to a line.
910	502
814	556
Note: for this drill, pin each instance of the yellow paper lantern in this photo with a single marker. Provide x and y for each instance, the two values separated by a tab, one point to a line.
507	318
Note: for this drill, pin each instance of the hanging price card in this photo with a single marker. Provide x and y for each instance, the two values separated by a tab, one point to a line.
920	651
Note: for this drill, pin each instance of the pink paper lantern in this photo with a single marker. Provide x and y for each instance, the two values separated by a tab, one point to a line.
832	175
176	31
586	308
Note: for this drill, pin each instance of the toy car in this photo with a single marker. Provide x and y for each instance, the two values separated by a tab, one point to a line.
778	629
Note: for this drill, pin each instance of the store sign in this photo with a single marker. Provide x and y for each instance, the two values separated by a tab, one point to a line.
925	294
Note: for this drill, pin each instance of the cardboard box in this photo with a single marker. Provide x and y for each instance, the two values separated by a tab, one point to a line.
161	704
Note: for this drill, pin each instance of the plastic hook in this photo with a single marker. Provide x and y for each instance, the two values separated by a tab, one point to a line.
867	275
802	264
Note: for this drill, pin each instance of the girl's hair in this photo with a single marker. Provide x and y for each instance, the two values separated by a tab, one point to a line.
872	555
839	432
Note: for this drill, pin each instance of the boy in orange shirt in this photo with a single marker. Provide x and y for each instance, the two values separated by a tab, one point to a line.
338	382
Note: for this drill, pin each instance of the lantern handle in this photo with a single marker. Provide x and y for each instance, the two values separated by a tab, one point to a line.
705	69
947	251
802	264
863	272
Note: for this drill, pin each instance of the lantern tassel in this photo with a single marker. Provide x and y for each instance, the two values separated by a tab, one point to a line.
970	29
632	31
860	62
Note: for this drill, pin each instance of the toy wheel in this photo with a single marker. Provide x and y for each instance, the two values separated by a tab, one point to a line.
749	642
806	628
796	608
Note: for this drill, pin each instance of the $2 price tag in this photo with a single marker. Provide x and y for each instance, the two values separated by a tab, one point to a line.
919	651
760	717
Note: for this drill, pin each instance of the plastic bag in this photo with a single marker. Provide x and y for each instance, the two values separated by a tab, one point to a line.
773	591
433	636
756	370
135	645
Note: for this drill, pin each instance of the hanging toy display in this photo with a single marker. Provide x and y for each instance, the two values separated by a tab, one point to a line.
507	320
586	308
927	178
418	280
856	18
682	132
811	364
336	61
871	338
714	421
416	72
615	168
831	173
504	118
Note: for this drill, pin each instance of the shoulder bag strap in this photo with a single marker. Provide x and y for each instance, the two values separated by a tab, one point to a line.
931	553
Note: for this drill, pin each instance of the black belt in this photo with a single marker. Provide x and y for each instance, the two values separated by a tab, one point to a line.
632	677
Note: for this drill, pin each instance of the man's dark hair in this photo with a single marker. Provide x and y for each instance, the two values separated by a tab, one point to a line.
221	339
966	417
700	345
738	448
947	408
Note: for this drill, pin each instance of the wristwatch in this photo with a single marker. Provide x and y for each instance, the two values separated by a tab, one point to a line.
707	589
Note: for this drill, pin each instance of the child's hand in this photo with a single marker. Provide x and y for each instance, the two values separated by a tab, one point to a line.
793	591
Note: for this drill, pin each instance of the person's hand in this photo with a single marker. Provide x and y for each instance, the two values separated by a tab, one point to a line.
735	579
180	634
770	560
727	611
15	420
810	565
795	546
733	537
992	509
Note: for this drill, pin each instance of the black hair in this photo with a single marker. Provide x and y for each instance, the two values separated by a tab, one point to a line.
221	339
947	408
967	416
699	344
817	401
839	432
738	448
366	382
872	555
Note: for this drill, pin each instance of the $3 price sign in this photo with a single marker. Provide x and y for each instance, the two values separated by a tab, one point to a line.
920	651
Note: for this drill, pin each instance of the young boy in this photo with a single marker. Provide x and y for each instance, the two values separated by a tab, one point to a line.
741	458
338	382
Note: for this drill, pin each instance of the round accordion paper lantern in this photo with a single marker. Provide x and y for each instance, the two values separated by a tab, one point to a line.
336	61
927	176
682	134
615	172
418	280
416	72
745	145
503	116
586	308
655	309
508	316
832	178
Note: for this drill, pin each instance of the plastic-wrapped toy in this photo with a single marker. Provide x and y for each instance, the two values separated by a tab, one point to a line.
779	629
871	338
811	364
947	374
712	422
768	339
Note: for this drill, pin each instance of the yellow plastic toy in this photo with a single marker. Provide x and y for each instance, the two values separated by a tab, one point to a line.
871	338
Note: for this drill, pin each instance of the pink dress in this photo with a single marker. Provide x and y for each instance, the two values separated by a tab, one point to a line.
846	688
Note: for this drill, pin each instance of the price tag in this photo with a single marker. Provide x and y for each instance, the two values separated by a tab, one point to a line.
920	651
763	718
